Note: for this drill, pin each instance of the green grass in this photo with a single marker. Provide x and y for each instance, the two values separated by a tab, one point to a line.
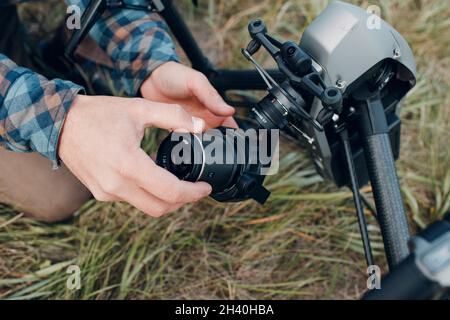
303	244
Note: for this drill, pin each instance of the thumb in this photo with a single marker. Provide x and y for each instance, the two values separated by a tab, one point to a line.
171	117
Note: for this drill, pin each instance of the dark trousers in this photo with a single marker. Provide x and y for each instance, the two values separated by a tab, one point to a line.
12	36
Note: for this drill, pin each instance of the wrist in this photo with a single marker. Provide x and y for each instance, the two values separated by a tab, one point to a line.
148	88
79	99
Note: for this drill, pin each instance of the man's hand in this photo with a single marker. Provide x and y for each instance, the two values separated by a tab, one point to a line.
175	83
100	144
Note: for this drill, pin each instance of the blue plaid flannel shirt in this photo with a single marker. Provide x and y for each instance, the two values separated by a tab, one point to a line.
33	108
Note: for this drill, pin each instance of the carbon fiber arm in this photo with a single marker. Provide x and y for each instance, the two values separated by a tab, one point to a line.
388	200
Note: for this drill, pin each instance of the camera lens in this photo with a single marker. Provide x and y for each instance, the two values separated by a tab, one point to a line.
182	171
185	162
224	161
273	110
266	114
184	155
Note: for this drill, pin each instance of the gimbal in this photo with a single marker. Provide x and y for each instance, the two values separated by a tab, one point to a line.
360	119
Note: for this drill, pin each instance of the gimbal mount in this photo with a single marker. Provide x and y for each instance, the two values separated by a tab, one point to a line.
300	75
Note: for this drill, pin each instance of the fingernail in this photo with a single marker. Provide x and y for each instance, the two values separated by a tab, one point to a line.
228	106
231	110
207	188
199	124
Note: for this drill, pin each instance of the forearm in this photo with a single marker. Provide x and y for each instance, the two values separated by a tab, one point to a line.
32	109
137	42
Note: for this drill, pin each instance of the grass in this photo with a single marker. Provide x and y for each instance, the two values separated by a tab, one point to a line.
303	244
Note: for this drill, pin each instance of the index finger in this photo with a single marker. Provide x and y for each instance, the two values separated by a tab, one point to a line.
203	90
168	116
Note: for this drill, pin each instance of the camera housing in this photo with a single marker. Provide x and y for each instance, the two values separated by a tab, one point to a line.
351	54
339	57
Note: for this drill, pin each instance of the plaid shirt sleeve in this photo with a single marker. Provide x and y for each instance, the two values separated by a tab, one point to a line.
137	42
32	109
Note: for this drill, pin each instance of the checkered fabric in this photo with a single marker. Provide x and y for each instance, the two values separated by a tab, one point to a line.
33	108
13	2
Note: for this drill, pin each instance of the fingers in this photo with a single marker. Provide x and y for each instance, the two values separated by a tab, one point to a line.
168	116
148	187
147	203
202	89
163	184
230	123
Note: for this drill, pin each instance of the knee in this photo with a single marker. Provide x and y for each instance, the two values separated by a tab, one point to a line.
28	184
60	209
52	215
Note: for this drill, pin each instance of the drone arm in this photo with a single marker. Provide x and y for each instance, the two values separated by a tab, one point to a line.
90	16
383	177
